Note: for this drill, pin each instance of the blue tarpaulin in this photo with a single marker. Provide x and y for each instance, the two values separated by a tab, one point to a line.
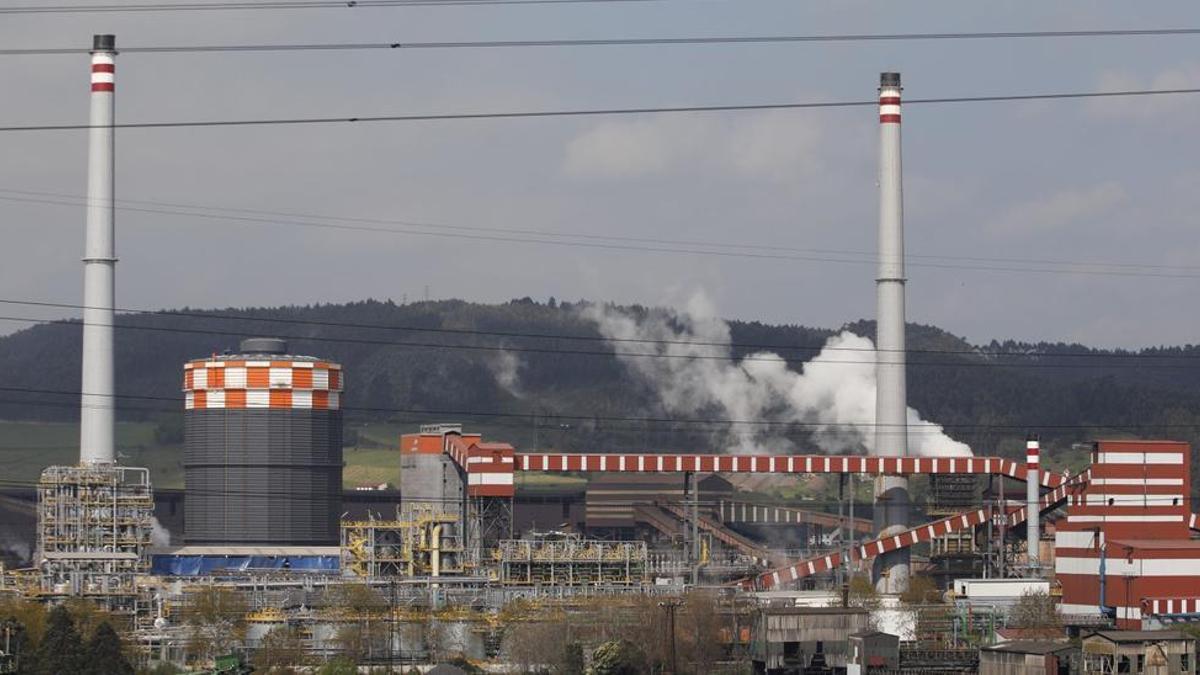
205	565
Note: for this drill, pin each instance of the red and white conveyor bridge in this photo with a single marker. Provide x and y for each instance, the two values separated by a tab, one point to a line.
490	468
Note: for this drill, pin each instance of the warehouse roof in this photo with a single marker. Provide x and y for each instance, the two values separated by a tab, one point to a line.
1140	635
1030	646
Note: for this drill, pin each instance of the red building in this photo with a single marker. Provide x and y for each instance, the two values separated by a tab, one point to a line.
1125	548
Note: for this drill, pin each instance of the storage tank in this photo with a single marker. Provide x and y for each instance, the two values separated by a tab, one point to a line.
263	447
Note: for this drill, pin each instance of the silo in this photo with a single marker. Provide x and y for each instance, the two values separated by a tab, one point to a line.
263	448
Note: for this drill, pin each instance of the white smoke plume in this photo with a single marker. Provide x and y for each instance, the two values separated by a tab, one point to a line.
506	367
159	535
833	394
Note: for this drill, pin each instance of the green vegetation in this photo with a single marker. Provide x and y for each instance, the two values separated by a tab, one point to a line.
986	395
28	447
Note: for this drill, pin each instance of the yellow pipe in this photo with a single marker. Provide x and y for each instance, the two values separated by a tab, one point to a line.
435	550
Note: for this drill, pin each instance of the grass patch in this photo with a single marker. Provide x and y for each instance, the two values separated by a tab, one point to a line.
28	447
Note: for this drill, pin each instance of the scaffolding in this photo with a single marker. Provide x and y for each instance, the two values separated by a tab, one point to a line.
94	529
426	542
955	554
571	561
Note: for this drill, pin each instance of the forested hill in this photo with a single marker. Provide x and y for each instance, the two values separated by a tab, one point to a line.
441	368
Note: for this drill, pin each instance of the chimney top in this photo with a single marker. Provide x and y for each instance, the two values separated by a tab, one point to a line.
104	43
889	79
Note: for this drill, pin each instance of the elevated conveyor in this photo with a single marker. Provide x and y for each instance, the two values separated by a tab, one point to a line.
922	533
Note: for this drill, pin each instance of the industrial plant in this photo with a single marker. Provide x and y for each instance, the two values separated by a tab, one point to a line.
467	555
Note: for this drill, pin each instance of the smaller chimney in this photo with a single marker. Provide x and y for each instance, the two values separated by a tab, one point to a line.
1032	493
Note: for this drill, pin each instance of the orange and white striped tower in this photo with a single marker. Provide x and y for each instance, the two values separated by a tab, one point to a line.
262	448
1032	493
891	398
97	400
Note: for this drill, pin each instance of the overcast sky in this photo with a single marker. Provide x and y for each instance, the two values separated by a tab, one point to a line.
1109	183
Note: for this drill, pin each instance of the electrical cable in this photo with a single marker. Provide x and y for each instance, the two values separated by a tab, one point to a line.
282	4
606	42
869	256
603	353
589	338
453	413
562	242
590	112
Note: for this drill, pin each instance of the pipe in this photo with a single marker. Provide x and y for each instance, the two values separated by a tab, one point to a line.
1032	508
96	427
435	551
891	405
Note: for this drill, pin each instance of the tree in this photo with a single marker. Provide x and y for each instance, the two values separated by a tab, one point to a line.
543	647
60	650
339	666
922	590
215	618
617	657
573	659
1035	610
104	655
698	629
280	651
861	592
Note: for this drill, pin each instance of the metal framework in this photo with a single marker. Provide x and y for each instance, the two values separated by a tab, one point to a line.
94	528
423	542
572	561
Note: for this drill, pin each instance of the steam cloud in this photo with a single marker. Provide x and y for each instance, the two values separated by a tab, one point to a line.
159	535
506	368
834	393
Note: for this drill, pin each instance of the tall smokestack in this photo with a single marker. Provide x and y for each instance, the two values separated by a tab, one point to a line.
891	402
1032	511
99	265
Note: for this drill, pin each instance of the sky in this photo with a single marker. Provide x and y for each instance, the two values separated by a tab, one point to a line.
991	189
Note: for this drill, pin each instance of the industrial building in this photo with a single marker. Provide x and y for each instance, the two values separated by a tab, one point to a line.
452	559
1151	652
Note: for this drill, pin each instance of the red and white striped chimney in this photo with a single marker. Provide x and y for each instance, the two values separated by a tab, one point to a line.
1032	493
891	393
96	420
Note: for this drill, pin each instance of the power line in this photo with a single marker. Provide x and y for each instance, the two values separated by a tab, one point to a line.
590	112
612	243
605	353
761	423
281	4
606	42
869	256
580	338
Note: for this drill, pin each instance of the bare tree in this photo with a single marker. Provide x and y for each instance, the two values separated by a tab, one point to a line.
281	652
216	623
1035	610
535	647
698	631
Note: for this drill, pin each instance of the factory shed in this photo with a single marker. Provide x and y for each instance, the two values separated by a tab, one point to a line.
611	499
796	638
1152	652
714	484
873	651
1028	657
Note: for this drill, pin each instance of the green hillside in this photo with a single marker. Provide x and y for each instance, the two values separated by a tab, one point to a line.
425	362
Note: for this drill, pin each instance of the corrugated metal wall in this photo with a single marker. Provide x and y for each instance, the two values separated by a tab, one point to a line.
263	476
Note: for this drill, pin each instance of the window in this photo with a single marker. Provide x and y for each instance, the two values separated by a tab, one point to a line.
1141	663
1123	664
1185	663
